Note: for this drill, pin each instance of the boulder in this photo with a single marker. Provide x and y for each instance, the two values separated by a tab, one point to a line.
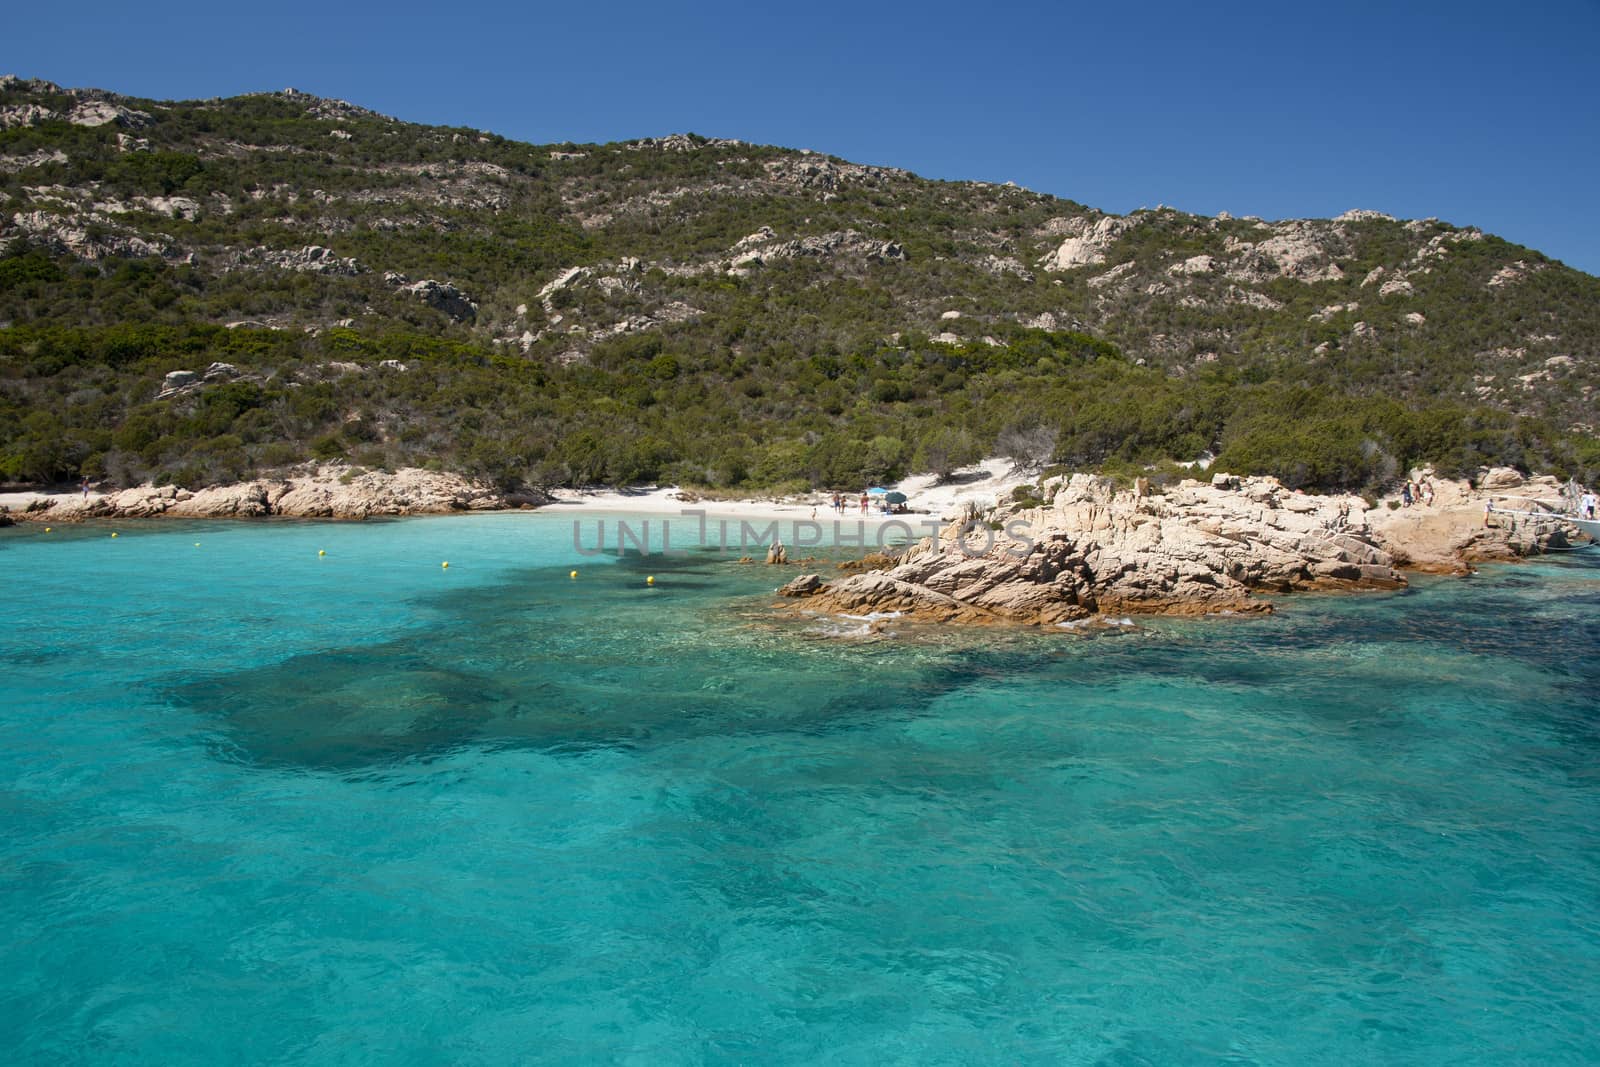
176	382
442	296
804	585
1500	478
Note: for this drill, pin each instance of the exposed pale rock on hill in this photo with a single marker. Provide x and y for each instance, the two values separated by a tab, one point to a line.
797	294
1087	242
263	179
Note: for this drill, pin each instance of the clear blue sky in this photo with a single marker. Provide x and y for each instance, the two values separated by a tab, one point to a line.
1481	114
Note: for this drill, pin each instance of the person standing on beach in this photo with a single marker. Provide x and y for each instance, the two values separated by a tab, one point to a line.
864	503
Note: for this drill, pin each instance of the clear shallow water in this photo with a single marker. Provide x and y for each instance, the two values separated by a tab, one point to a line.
261	806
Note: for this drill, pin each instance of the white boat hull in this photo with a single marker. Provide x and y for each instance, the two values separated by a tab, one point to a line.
1588	526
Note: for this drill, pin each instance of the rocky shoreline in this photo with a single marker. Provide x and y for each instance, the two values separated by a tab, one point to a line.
327	492
1088	549
1072	549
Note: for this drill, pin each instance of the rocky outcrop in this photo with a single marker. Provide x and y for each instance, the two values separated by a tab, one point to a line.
1113	276
1200	549
839	243
1194	265
1003	265
40	158
65	234
567	278
1512	273
322	107
105	113
1328	313
804	585
179	382
1087	241
1302	249
1357	214
877	593
1458	529
672	142
176	382
12	115
312	259
442	296
330	492
173	207
818	174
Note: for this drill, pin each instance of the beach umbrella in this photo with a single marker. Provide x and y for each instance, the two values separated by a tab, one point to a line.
896	498
877	491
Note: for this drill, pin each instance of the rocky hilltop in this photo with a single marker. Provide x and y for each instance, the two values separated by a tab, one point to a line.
1198	549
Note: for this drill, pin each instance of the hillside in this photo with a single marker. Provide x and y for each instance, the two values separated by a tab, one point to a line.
195	291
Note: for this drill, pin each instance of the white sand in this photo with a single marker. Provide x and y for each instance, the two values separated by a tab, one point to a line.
18	502
983	484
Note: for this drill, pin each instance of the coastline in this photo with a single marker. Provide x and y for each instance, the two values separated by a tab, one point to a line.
1084	549
1090	550
342	492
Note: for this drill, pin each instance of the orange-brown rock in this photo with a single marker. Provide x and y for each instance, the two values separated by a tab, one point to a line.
1200	549
330	492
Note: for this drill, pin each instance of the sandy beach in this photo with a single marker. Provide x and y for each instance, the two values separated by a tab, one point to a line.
983	485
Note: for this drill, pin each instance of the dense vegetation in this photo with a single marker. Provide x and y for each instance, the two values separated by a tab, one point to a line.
835	364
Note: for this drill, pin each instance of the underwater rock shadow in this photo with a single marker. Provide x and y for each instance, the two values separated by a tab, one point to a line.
509	671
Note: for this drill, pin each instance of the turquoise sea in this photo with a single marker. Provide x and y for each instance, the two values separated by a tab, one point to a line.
265	806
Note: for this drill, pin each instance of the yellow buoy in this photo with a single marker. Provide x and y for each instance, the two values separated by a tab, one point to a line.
650	580
322	552
47	530
197	544
113	535
574	574
445	564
